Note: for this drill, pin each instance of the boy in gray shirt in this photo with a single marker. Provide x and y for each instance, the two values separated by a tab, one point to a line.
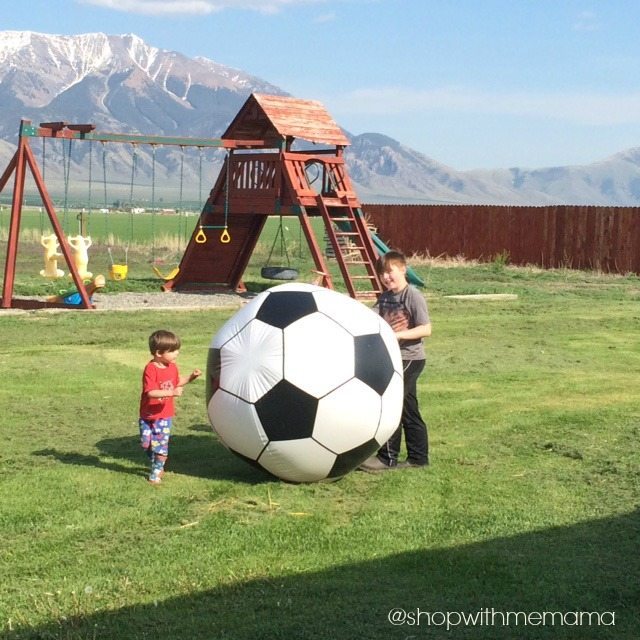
405	309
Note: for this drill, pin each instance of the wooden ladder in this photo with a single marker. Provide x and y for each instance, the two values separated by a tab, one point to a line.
353	247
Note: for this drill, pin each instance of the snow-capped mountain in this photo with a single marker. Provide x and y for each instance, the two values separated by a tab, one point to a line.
117	82
122	84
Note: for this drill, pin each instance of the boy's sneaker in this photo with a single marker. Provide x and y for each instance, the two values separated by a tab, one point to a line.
374	465
407	464
155	479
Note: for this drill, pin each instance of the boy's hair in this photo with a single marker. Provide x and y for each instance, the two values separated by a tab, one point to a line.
162	341
390	258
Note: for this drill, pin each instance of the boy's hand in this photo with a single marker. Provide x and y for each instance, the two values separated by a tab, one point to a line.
177	391
398	321
195	374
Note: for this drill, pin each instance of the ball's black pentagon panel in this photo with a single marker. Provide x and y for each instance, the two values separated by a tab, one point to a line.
286	412
213	373
282	308
254	463
373	363
349	460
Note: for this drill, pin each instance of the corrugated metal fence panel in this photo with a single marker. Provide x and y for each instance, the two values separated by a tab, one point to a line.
580	237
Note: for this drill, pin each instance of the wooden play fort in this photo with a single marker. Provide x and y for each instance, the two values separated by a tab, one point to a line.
276	180
263	175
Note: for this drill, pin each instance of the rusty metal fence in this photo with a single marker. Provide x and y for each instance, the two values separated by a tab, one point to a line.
577	237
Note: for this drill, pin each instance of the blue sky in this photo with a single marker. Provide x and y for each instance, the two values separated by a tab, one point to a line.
469	83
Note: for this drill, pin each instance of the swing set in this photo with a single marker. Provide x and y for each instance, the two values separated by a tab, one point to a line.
24	160
262	176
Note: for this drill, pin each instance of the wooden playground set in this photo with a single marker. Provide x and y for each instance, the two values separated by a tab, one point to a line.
262	176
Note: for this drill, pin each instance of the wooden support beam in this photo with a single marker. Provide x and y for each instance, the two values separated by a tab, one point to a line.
22	159
55	127
65	130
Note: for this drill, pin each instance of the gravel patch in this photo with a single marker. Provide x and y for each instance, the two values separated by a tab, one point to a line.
130	301
169	300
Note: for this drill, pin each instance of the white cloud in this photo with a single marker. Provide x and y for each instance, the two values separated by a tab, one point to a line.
325	17
586	21
579	108
194	7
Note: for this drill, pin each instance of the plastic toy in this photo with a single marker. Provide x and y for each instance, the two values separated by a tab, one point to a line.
79	246
73	298
51	255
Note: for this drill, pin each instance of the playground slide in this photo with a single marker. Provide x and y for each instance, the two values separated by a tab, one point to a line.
382	248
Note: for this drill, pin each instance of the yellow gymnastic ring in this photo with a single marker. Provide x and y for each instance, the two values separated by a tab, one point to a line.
201	238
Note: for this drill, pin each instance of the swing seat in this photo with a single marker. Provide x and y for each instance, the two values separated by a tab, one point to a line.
169	276
279	273
118	271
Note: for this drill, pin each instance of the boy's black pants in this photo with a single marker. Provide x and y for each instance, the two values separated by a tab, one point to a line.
411	422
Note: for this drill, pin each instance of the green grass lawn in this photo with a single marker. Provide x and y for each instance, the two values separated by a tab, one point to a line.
531	504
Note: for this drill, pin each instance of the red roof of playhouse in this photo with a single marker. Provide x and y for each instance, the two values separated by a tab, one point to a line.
274	118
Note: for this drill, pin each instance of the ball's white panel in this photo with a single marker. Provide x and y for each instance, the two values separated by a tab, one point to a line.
296	286
318	354
354	316
238	320
297	460
237	424
347	417
251	363
391	409
393	346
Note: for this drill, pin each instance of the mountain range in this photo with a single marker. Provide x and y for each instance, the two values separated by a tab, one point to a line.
122	84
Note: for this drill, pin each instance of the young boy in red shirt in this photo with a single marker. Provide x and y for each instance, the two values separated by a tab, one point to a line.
161	383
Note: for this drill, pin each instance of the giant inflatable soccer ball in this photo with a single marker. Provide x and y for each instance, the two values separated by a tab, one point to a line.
304	382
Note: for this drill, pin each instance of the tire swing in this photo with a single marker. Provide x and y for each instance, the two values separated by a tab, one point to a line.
279	272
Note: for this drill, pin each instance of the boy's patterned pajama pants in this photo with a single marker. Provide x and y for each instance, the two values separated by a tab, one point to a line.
154	439
154	436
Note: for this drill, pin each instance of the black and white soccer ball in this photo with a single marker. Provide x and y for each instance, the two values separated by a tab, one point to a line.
305	382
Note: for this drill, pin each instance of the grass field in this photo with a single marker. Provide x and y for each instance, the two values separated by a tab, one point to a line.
531	504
